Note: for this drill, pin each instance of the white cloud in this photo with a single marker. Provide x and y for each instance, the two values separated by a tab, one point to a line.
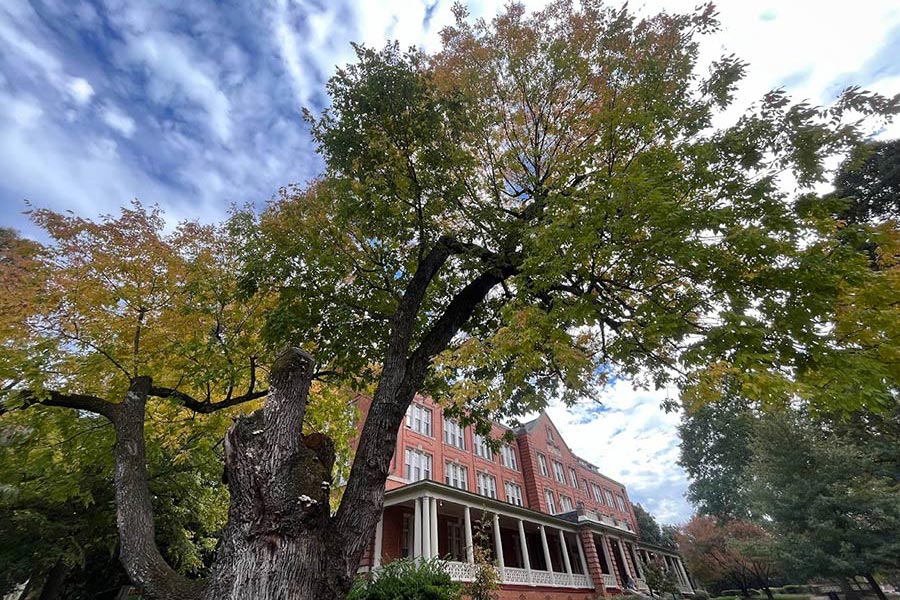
118	120
80	90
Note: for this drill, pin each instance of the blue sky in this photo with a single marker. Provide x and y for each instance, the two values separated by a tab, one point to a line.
195	105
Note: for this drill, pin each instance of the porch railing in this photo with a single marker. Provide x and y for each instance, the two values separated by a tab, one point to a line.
463	571
609	580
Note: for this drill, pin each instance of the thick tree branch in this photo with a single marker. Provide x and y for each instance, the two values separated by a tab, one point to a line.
54	398
203	406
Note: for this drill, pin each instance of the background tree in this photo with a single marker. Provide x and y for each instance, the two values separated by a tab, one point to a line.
650	531
542	197
659	579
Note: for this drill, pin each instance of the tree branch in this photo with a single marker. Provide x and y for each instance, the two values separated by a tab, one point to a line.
54	398
203	406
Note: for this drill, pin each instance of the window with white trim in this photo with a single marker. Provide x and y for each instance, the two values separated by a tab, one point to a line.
598	493
487	485
418	465
609	499
418	418
549	434
566	503
508	457
454	435
621	502
513	493
573	476
455	541
542	461
559	472
456	475
481	447
551	505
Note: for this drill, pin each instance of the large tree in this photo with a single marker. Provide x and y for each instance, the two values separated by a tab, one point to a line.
539	204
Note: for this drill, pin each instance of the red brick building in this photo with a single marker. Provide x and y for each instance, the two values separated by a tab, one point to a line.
559	527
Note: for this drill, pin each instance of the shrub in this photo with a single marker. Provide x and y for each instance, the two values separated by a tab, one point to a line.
701	594
408	580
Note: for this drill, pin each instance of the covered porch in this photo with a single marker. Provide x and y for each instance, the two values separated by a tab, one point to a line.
429	520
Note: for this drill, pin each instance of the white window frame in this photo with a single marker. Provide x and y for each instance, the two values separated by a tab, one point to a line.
513	493
565	503
455	543
550	434
454	434
418	418
621	502
508	457
481	447
542	462
456	475
574	477
487	485
416	465
609	499
559	472
598	492
551	503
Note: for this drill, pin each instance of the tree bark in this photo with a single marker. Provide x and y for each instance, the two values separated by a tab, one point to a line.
279	542
54	582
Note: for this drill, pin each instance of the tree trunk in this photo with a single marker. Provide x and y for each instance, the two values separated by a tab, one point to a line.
54	583
279	542
769	593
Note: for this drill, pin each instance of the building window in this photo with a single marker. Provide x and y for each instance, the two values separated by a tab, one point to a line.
549	434
587	489
418	418
574	477
542	461
406	538
456	475
482	449
609	499
559	472
487	485
513	493
598	493
621	502
551	505
455	541
454	435
508	457
418	465
566	503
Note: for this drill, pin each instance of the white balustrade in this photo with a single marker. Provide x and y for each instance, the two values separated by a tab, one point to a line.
560	580
542	578
609	580
460	571
514	575
640	584
582	581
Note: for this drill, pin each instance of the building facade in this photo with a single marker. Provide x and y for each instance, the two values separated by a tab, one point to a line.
558	527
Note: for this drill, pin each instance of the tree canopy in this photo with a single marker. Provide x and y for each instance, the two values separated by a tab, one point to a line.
542	203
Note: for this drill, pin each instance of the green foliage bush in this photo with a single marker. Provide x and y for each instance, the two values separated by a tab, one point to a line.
408	580
701	595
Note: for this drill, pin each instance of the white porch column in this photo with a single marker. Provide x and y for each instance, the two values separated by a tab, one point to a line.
417	530
434	528
637	561
546	548
498	547
565	553
426	527
584	567
524	544
376	552
604	543
621	545
470	550
680	564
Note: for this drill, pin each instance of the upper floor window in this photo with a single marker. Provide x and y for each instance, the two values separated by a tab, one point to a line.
456	475
508	457
598	493
573	476
513	493
454	435
551	505
558	471
550	434
481	448
542	461
487	485
418	465
566	503
418	418
609	499
621	501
